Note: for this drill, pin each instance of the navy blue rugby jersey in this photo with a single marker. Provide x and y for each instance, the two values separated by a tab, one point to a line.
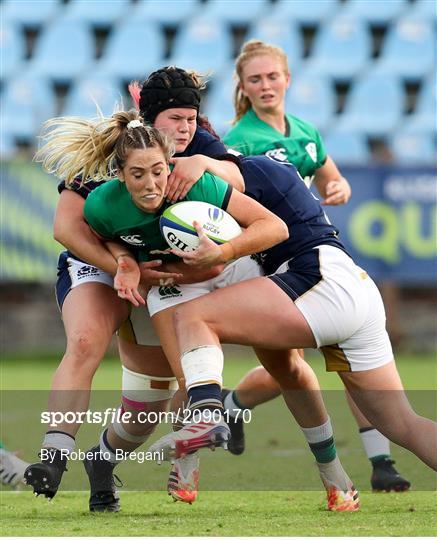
280	188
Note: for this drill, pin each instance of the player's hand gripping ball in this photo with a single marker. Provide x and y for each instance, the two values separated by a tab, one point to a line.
179	232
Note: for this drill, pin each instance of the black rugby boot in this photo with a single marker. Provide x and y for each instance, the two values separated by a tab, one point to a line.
45	476
104	496
386	478
236	444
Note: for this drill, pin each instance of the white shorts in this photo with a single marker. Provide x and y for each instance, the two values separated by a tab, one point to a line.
343	308
73	272
139	329
160	298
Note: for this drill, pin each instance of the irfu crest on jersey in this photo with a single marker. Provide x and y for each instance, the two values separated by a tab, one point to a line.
278	154
312	151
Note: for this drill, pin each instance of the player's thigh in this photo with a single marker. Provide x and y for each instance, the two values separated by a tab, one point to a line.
379	394
164	327
255	312
93	309
144	359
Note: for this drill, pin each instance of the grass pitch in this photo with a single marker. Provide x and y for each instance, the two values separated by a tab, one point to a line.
271	490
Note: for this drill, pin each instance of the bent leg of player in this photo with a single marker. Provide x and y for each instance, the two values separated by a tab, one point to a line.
147	387
384	476
380	395
91	312
301	391
256	387
202	380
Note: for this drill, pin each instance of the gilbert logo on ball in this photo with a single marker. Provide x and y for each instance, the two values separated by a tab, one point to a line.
177	227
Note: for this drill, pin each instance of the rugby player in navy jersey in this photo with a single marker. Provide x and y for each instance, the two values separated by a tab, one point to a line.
314	296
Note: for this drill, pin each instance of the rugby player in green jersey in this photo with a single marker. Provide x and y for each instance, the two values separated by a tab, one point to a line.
262	126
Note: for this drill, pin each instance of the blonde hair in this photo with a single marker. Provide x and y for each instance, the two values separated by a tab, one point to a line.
95	149
252	49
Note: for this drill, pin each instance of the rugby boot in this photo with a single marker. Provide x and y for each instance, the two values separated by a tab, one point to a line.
386	478
183	482
193	436
45	476
104	496
341	493
237	442
11	469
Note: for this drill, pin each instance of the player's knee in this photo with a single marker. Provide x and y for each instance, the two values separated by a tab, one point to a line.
85	346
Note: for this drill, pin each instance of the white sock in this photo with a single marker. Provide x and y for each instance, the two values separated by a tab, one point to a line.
375	443
203	365
232	408
59	440
319	433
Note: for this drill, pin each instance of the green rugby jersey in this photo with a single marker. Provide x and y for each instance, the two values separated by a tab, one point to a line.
301	145
110	211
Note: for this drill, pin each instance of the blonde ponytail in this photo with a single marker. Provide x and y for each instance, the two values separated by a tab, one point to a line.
94	149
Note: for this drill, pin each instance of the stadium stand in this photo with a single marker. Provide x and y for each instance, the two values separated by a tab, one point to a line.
410	48
26	101
97	13
282	32
91	94
203	44
122	60
377	13
412	147
13	49
342	48
311	96
219	104
238	12
299	10
29	13
174	14
65	50
347	147
374	106
58	42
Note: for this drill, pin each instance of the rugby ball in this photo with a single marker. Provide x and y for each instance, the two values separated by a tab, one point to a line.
177	227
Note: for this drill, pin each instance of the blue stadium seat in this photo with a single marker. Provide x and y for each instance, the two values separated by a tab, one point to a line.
374	105
409	49
237	12
92	92
378	13
424	117
98	13
202	44
304	12
13	49
281	32
342	48
30	13
412	147
311	98
64	51
347	147
424	8
175	12
133	50
219	102
27	102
